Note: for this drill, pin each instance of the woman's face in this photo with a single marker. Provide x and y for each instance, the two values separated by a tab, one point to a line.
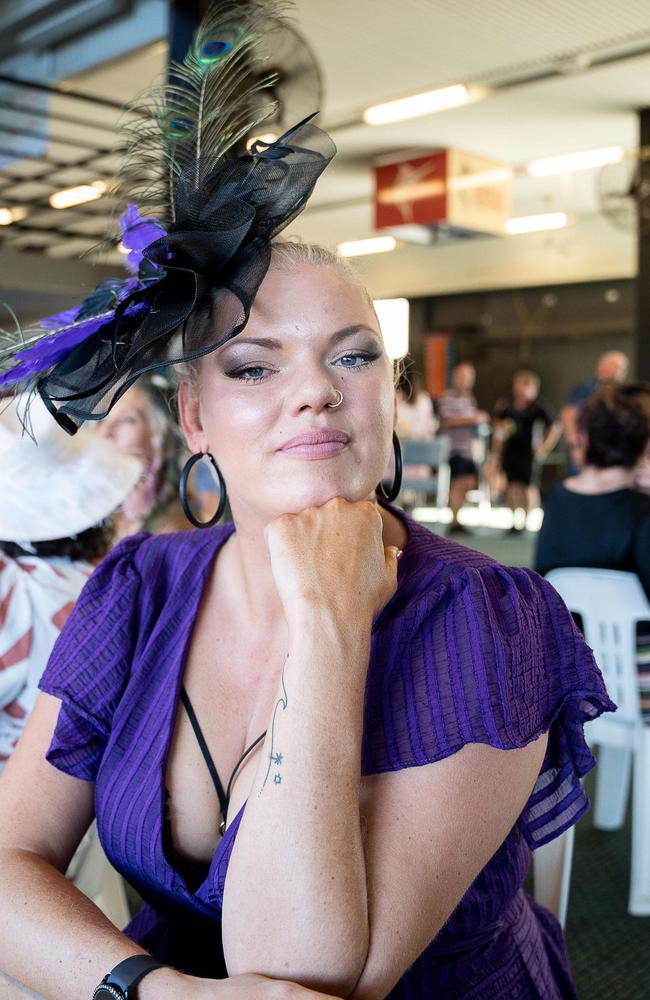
127	425
310	333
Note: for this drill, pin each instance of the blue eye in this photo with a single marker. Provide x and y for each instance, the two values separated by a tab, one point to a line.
254	373
357	360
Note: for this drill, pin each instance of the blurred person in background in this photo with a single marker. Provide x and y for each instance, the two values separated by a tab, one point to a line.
599	518
141	424
642	481
611	369
416	420
524	434
459	418
643	473
642	469
52	533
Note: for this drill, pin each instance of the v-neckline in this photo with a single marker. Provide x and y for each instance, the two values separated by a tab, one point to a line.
224	533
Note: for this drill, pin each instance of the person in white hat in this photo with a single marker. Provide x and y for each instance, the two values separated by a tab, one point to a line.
58	493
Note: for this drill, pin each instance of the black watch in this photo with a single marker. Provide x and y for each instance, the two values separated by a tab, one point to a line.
120	983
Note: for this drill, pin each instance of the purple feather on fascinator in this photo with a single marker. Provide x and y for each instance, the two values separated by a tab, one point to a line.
138	232
71	327
49	351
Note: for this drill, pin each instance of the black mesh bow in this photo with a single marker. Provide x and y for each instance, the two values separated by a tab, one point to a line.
210	265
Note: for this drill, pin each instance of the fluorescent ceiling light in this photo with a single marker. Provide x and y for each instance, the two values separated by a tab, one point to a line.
377	244
536	223
393	316
586	160
9	215
422	104
77	195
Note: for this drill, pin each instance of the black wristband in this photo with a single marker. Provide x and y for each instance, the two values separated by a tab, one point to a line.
120	983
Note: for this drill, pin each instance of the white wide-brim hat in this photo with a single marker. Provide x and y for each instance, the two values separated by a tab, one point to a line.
55	485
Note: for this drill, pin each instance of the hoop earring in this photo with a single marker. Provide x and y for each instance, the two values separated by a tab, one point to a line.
393	493
182	491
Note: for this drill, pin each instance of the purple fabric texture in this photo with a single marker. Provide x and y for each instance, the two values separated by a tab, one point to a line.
467	651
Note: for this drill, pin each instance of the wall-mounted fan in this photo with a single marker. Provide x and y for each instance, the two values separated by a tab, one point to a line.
624	191
298	90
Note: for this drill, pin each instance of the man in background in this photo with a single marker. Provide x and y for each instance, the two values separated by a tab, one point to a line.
612	369
459	418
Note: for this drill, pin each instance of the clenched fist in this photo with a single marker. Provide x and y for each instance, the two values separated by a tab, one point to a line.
332	559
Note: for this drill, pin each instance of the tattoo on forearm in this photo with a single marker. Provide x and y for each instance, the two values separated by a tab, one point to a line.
275	757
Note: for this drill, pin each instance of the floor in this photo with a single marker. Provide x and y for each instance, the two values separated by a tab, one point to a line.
609	950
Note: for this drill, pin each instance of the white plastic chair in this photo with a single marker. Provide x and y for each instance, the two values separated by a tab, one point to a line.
552	874
435	454
611	604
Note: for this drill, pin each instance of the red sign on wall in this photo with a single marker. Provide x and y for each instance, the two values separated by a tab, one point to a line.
413	191
445	192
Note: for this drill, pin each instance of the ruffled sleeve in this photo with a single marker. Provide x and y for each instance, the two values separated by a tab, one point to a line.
491	656
90	663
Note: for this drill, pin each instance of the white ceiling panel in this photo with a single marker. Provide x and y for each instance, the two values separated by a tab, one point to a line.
373	51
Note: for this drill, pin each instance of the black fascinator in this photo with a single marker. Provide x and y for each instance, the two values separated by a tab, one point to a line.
198	260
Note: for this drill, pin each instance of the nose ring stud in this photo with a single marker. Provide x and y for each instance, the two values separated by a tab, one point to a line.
338	402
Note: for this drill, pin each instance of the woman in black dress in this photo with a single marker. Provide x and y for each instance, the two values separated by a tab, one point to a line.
599	518
526	433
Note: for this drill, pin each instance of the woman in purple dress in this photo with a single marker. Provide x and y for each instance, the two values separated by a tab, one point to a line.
423	716
322	742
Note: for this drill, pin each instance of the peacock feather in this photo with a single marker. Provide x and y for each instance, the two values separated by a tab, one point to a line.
215	98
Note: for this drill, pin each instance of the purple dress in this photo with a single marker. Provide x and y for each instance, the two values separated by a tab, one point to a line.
467	651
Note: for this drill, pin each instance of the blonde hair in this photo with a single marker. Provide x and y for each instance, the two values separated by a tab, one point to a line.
287	255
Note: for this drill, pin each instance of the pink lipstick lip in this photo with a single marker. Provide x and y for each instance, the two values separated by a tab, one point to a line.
316	442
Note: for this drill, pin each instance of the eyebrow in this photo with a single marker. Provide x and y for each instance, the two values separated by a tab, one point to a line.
276	345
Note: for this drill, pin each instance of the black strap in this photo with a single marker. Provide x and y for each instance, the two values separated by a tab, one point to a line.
224	799
128	973
241	761
216	781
